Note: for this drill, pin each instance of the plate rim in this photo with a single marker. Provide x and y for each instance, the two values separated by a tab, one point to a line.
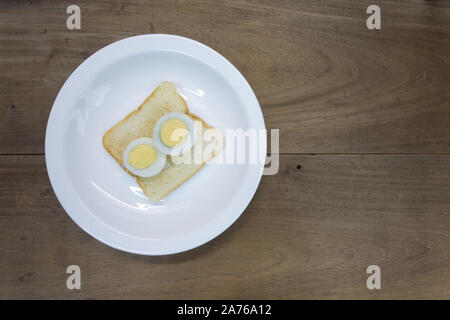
53	167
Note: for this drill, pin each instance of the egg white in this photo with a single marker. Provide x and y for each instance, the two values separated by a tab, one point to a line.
150	171
183	147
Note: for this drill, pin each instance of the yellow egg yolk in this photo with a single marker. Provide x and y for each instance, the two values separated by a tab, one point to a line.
173	132
142	156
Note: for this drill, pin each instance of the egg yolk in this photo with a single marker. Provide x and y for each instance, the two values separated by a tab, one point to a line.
142	156
173	132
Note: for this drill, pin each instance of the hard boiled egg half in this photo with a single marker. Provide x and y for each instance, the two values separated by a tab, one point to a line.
142	158
174	133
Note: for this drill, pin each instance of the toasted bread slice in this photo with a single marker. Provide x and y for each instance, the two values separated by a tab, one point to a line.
140	123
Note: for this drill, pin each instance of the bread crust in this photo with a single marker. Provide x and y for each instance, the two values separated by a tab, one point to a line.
120	160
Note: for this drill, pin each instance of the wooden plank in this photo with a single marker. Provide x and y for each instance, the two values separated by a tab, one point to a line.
326	81
308	233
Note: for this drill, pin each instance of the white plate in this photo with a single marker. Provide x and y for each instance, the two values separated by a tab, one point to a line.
96	192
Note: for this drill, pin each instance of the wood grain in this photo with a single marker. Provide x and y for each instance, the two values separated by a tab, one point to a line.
308	233
326	81
364	119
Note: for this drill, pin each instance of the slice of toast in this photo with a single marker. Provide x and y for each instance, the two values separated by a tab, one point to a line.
140	123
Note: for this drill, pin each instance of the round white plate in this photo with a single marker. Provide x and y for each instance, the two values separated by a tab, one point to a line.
99	195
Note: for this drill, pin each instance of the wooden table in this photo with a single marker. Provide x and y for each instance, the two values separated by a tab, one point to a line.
364	119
